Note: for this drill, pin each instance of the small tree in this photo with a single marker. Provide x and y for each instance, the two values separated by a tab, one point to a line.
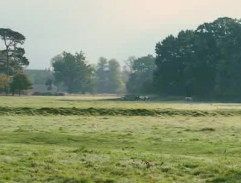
4	80
49	84
19	83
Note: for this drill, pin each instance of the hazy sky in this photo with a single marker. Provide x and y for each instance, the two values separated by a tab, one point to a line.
110	28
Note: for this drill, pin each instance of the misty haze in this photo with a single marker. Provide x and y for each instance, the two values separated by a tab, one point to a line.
120	91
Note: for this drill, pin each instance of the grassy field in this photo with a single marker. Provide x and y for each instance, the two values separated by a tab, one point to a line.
106	148
109	102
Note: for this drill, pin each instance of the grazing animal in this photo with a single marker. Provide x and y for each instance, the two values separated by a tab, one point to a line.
144	98
188	99
135	97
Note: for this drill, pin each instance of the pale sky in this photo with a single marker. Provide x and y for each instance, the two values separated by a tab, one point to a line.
110	28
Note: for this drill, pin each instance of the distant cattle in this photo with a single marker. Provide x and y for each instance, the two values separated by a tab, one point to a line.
188	99
144	98
135	98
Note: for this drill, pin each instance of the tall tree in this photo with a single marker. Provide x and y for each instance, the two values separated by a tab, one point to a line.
14	55
129	63
108	76
228	75
102	75
115	83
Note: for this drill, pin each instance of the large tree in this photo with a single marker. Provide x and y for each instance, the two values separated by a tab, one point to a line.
73	72
12	57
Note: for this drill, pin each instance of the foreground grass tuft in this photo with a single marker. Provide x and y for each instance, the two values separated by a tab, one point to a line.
114	112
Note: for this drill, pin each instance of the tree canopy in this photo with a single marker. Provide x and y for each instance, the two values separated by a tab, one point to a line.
108	76
72	71
141	77
4	80
12	58
19	83
205	63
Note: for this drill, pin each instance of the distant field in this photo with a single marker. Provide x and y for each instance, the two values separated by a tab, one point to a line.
118	148
109	102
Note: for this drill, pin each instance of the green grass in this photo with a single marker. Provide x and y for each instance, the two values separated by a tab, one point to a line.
105	149
107	102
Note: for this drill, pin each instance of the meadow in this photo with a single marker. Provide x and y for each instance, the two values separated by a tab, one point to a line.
154	142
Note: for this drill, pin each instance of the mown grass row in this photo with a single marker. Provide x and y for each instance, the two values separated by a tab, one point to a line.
114	112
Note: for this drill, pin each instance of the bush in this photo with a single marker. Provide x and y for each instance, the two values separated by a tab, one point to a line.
47	94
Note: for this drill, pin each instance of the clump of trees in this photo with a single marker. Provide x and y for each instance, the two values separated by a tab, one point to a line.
12	61
205	63
72	72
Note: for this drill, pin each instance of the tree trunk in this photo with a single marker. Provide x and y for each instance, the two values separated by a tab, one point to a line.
8	69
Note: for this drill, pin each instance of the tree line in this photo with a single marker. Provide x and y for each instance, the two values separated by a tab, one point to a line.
204	63
73	74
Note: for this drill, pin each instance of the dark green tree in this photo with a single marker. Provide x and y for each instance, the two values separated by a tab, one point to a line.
49	84
102	77
204	63
19	83
228	75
